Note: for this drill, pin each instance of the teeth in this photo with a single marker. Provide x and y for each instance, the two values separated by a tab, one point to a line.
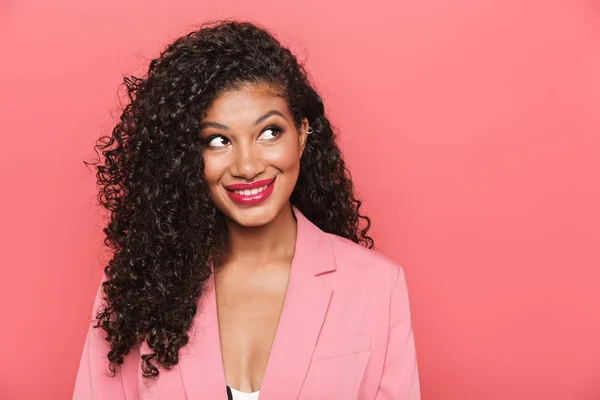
249	192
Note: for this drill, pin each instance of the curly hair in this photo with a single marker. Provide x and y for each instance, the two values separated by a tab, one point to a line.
163	229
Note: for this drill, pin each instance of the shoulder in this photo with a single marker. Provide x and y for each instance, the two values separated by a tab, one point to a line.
354	259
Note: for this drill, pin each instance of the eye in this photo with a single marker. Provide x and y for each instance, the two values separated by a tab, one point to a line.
270	133
218	141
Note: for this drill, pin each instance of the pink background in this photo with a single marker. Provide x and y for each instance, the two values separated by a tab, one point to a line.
471	128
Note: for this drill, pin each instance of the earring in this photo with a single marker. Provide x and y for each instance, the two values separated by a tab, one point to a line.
309	131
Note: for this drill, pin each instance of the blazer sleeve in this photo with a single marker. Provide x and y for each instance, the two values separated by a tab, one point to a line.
94	380
400	377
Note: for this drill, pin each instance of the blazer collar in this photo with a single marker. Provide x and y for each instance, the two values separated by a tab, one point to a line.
313	249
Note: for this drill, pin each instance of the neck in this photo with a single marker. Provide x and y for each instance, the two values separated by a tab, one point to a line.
263	244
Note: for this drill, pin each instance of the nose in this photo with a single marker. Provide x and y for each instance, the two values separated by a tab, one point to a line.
248	162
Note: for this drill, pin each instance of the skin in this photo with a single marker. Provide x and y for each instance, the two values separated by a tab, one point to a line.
251	286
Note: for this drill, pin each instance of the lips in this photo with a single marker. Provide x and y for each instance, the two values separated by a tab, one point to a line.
250	194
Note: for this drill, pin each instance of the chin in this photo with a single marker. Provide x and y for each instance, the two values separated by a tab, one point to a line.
253	216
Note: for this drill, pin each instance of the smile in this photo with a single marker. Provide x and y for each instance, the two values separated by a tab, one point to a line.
251	194
248	192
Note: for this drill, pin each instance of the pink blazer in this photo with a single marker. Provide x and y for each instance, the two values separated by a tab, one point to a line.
344	333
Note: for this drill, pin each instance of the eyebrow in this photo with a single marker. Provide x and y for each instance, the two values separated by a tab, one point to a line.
207	124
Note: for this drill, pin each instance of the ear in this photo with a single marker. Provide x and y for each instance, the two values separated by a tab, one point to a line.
302	136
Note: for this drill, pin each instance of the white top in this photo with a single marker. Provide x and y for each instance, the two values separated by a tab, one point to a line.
237	395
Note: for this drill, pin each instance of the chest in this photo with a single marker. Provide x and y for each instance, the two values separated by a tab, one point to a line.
249	309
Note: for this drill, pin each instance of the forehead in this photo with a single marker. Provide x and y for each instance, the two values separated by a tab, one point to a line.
246	103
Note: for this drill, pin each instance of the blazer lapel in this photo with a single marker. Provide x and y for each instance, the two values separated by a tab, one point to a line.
200	361
306	303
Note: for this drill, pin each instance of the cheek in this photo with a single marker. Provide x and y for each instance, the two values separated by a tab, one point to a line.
285	157
213	169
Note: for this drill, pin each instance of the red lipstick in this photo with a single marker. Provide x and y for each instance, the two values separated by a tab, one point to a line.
250	194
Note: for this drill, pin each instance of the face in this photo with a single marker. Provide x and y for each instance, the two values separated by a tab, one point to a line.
251	153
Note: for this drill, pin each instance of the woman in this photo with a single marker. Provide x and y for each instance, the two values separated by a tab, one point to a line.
242	264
